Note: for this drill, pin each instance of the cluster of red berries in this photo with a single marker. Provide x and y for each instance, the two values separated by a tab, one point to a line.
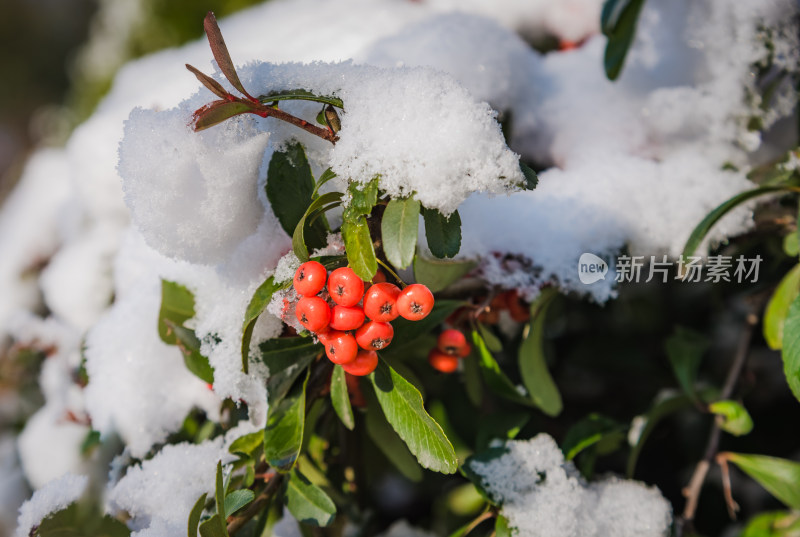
350	339
450	348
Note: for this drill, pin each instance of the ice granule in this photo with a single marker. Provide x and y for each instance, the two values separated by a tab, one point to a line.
542	495
54	496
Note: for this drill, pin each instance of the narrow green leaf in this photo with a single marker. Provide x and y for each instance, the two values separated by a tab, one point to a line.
212	527
618	21
177	305
286	359
503	425
531	179
307	502
217	112
588	432
320	204
406	332
495	378
781	477
685	349
532	364
732	417
290	189
501	528
299	95
437	275
791	244
402	405
773	524
247	444
389	443
472	382
361	199
189	345
283	435
340	398
399	230
646	423
359	248
219	496
702	229
237	499
791	348
493	343
778	308
443	234
326	176
259	302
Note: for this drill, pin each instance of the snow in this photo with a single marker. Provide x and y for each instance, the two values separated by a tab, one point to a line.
542	495
135	197
55	496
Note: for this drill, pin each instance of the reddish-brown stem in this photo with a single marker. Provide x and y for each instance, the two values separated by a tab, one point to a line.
277	113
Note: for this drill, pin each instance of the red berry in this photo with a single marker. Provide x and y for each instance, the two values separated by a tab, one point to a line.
451	342
442	361
516	310
364	364
374	335
465	350
310	278
379	277
345	288
313	313
415	302
379	302
340	347
346	317
356	395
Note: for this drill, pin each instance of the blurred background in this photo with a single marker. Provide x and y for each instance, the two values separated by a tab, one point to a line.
60	56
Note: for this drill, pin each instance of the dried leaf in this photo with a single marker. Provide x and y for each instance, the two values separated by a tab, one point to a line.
212	85
220	52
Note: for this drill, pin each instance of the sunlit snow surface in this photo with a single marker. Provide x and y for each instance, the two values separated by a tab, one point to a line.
135	196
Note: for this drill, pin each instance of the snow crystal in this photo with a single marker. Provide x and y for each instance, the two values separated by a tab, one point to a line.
54	496
542	495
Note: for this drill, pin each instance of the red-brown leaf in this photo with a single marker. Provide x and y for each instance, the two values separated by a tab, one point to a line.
220	52
217	112
212	85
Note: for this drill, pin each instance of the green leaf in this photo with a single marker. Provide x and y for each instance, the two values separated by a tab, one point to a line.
91	441
259	302
443	234
217	112
791	244
290	187
778	308
503	425
702	229
299	95
189	346
361	199
501	528
493	343
591	431
791	348
326	176
194	515
402	404
177	305
531	179
307	502
212	527
663	407
73	521
340	398
359	248
532	364
470	472
383	436
247	444
618	21
283	435
219	498
437	275
472	382
237	499
732	417
318	206
286	359
685	349
495	378
406	332
773	524
781	477
399	230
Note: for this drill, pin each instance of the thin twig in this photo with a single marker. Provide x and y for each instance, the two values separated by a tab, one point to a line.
277	113
695	485
236	522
